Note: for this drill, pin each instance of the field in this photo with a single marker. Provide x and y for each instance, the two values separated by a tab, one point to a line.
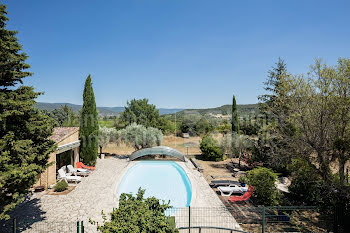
188	146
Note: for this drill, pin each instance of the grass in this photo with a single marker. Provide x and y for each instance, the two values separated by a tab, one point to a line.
106	123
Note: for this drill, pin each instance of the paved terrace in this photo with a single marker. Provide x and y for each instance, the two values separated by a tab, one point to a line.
98	192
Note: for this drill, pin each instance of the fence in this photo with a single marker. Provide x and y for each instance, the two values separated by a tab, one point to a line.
28	226
252	219
206	220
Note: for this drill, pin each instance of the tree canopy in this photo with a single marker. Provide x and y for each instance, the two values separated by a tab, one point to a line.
138	136
106	135
139	215
88	132
63	116
141	113
24	130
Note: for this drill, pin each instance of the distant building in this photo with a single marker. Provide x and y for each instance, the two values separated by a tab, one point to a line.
186	135
67	152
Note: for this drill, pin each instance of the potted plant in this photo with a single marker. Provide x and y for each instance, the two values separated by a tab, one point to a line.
243	180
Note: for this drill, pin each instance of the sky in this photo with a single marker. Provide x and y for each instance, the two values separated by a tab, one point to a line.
176	53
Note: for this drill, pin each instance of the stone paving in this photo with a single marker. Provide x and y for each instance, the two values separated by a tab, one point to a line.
98	192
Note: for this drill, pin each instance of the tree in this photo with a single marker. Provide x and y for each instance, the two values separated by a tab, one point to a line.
138	136
138	214
274	85
166	125
235	121
316	126
203	126
210	149
105	136
269	144
263	180
188	124
310	117
240	143
24	130
88	133
141	113
234	144
63	116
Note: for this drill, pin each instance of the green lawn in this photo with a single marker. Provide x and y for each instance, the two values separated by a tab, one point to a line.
106	123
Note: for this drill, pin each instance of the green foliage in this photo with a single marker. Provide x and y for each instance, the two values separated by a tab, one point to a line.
234	120
88	133
137	214
235	144
243	179
60	186
166	125
263	180
63	116
244	110
274	85
110	123
211	149
138	136
268	152
306	186
225	127
141	113
188	124
203	126
249	127
195	125
106	135
24	130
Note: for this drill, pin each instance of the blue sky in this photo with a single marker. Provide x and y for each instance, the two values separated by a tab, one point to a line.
179	53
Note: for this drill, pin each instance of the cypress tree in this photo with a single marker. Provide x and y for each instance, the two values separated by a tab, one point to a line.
235	122
24	130
88	132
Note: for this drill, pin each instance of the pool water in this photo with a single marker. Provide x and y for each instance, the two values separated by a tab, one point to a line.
165	180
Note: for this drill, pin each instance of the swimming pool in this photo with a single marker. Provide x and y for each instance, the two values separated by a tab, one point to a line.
165	180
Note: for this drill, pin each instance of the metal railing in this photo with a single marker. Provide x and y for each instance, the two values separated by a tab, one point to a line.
211	228
238	218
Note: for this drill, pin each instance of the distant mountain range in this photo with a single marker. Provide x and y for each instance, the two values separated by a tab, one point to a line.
104	111
243	110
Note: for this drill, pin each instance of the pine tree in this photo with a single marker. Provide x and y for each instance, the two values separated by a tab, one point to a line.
273	85
24	130
88	133
235	121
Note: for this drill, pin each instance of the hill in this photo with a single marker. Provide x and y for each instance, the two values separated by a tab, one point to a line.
103	111
224	110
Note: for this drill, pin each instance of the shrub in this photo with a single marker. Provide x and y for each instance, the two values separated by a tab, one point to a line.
243	179
60	186
263	180
210	149
306	185
139	214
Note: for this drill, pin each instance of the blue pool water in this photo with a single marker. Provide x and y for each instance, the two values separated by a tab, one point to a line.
165	180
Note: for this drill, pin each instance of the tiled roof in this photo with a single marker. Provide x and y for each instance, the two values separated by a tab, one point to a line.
60	133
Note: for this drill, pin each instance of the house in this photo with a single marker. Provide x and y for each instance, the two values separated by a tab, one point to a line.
67	152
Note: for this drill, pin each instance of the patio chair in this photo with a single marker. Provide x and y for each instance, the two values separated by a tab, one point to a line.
68	178
78	171
215	183
244	197
229	190
81	165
